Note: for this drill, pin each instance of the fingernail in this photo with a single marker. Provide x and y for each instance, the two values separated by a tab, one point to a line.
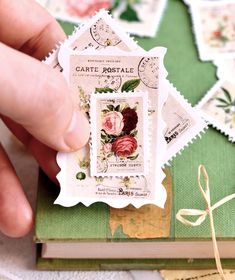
78	132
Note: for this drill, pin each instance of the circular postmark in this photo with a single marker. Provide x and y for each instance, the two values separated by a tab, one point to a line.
103	34
108	81
148	71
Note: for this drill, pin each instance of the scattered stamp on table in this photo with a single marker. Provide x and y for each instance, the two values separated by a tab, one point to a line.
183	123
218	107
213	23
100	32
139	17
119	139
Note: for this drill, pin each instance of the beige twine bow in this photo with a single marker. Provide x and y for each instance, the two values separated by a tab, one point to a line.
203	213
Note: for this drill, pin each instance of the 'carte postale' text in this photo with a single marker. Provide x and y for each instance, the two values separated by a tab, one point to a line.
105	70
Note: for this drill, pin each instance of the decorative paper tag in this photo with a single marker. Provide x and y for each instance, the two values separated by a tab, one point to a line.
142	76
218	107
119	126
131	15
213	23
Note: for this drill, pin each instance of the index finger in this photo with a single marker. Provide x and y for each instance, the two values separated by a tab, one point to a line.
27	27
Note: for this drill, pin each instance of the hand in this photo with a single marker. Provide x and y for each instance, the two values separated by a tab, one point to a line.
34	104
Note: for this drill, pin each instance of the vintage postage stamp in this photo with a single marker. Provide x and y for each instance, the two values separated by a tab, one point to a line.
183	123
119	127
136	17
129	96
213	23
101	31
218	107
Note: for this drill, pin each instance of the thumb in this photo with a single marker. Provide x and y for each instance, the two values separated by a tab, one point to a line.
37	97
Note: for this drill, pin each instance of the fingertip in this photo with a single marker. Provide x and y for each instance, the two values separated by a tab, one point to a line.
16	215
16	220
19	223
78	132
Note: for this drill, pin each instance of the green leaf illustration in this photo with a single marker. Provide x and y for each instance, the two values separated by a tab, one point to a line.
221	27
104	90
134	157
134	133
105	111
222	106
227	95
117	108
110	107
109	155
81	176
84	163
129	14
224	39
222	100
130	85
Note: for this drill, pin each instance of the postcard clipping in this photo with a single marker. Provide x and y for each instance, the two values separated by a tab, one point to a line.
122	94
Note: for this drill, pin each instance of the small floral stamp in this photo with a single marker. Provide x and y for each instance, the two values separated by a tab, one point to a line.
119	124
218	107
214	25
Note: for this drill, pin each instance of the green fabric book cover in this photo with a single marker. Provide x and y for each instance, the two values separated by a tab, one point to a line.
193	79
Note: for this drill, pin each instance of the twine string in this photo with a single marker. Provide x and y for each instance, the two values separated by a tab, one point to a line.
203	214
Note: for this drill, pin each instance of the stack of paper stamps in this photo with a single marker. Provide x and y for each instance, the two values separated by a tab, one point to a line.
214	27
138	119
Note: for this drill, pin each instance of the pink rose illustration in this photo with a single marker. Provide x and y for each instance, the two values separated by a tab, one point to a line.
124	146
107	148
113	123
85	8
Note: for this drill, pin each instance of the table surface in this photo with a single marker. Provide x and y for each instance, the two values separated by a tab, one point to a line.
17	256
